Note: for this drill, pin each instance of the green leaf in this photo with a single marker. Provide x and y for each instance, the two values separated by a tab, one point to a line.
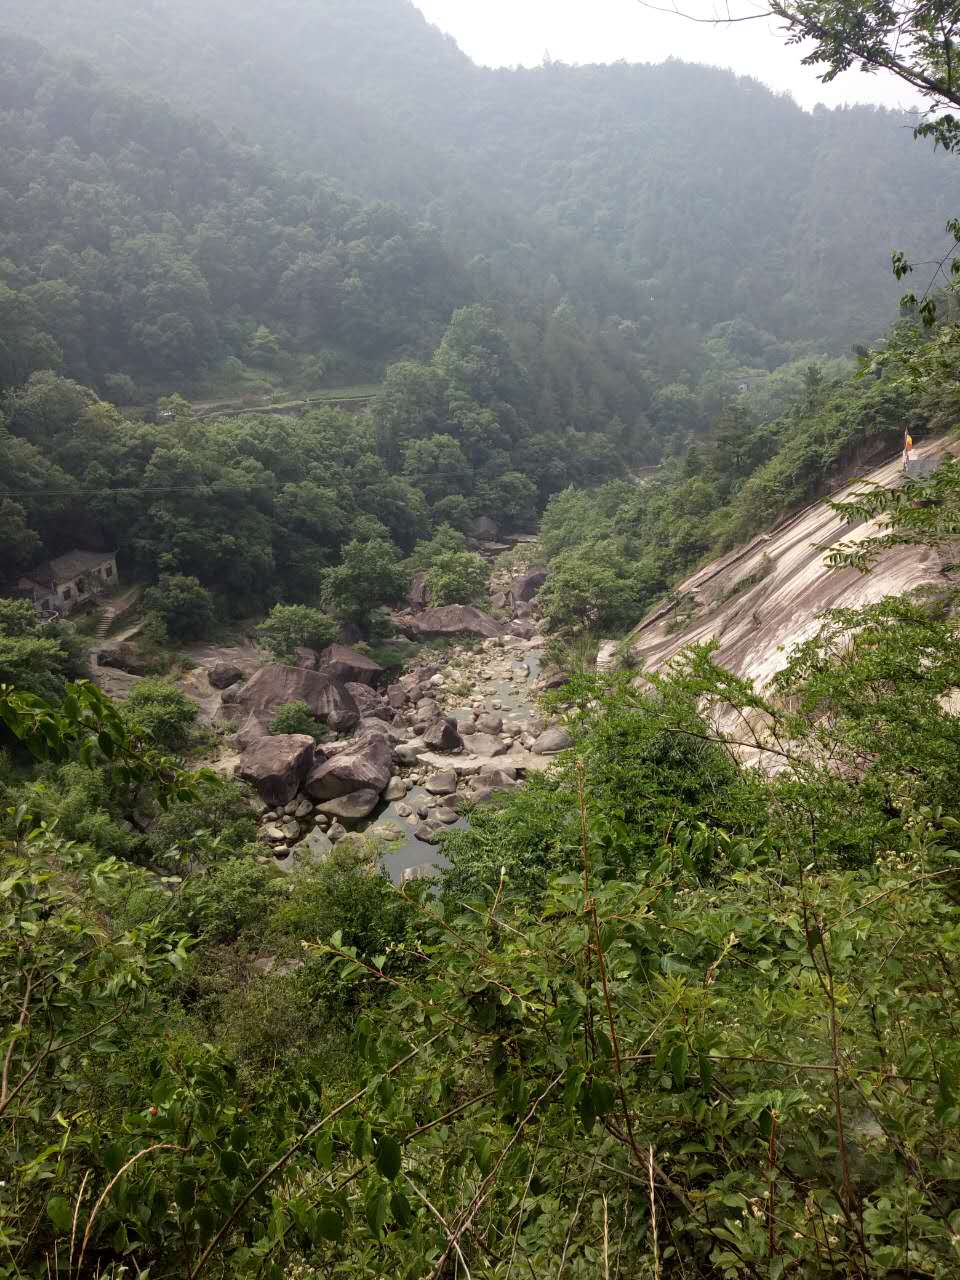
602	1096
329	1225
323	1150
185	1193
400	1208
377	1213
481	1153
389	1156
679	1061
362	1139
60	1213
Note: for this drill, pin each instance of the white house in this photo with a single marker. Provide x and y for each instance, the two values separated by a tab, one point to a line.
60	585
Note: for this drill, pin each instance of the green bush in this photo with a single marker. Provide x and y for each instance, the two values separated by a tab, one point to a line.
37	657
288	627
182	605
296	717
458	577
158	710
216	822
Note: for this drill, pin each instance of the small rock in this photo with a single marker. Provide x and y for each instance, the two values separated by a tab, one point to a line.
396	789
315	847
387	831
304	808
447	816
443	783
422	871
442	735
337	832
272	834
290	828
403	811
428	832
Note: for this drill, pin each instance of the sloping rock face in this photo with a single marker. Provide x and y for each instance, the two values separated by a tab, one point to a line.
271	687
527	586
277	766
764	599
453	620
349	665
364	764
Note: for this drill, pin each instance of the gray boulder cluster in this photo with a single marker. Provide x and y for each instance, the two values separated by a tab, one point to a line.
443	736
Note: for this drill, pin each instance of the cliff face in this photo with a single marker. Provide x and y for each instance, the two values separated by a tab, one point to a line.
764	598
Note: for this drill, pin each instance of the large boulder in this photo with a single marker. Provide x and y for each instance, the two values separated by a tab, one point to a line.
529	584
369	702
522	629
224	674
552	741
126	657
349	665
454	620
365	764
273	686
352	807
277	765
443	735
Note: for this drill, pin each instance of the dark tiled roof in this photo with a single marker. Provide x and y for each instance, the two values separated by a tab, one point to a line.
65	568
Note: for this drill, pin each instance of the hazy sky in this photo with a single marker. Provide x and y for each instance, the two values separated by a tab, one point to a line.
508	32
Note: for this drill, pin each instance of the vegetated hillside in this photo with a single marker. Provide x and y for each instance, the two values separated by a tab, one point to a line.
141	243
677	197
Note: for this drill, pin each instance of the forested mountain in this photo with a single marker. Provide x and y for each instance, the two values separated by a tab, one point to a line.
675	197
143	243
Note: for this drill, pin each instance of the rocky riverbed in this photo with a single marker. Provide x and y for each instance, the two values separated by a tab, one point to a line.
409	757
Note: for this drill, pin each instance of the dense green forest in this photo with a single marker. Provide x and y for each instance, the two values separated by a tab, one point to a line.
663	203
141	244
656	1013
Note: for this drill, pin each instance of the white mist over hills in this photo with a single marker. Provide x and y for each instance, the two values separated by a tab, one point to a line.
501	33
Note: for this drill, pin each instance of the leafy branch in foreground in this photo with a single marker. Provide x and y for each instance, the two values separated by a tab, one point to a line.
86	724
919	513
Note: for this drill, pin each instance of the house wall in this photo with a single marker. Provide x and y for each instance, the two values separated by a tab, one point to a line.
85	586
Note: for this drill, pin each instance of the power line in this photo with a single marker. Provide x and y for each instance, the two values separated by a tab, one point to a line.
71	493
